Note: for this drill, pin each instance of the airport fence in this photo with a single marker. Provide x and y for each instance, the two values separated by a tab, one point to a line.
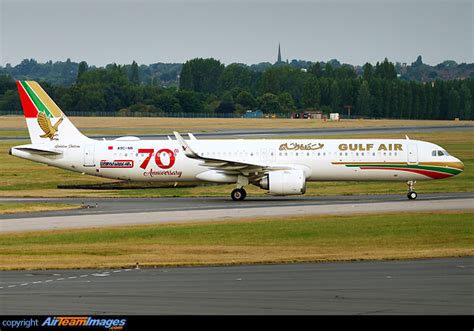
149	114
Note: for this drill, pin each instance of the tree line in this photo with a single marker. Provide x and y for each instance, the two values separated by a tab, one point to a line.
207	86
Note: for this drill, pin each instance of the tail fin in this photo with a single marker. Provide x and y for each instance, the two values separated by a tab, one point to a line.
45	121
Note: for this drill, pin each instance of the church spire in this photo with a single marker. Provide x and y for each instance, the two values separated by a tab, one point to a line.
279	54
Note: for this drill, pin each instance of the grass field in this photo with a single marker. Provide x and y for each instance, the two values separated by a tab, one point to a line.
20	177
10	208
296	239
96	126
213	124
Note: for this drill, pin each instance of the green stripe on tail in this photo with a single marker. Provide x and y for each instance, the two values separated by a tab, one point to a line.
37	101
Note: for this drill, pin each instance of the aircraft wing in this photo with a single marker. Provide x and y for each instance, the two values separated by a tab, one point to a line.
252	170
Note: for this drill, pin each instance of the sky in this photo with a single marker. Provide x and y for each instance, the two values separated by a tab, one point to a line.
174	31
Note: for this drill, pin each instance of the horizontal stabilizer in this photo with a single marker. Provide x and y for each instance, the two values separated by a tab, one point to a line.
37	150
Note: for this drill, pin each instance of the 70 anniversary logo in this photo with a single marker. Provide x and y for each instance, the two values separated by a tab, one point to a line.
158	157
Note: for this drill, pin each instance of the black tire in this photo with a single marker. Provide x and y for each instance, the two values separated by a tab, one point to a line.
238	194
412	195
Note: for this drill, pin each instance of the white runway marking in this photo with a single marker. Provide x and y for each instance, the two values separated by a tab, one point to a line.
96	274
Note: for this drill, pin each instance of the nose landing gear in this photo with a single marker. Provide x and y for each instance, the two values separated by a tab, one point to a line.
411	190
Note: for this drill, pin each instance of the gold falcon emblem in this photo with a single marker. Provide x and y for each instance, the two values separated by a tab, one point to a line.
45	125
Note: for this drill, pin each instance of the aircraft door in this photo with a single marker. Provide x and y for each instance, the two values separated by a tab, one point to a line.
89	156
412	154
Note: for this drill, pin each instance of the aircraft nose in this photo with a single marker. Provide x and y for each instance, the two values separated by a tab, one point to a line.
459	165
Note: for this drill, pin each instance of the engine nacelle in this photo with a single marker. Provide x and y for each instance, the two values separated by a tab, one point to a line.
284	182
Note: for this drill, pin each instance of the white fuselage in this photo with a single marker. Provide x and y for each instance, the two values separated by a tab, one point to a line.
320	159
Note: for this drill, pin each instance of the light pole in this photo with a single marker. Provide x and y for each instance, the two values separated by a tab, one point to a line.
348	107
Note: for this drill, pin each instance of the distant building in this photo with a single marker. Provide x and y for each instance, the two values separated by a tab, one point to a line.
279	54
253	114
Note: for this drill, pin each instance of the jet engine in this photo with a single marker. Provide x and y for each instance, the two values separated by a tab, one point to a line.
284	182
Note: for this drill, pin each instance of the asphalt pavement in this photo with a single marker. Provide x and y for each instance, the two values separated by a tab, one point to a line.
420	287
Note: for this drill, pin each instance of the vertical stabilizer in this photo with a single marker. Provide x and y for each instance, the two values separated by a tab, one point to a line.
46	122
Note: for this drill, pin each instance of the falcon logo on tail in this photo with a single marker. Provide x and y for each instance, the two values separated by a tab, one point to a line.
45	125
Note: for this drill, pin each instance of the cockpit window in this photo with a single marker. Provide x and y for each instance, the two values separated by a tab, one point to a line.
441	153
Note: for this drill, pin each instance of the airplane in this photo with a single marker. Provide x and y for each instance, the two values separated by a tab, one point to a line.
280	166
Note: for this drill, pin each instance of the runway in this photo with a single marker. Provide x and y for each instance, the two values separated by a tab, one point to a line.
135	211
273	133
422	287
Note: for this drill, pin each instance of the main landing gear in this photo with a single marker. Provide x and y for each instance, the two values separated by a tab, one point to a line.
411	190
238	194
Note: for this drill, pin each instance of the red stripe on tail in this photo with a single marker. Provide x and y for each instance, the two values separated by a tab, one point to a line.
29	108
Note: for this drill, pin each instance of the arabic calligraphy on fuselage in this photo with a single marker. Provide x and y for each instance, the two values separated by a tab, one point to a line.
300	147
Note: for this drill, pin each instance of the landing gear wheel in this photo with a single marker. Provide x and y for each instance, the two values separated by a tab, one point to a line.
412	195
411	190
238	194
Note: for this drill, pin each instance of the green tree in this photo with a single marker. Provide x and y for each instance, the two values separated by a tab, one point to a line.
345	72
328	70
311	93
227	105
189	102
246	100
335	96
385	70
201	75
363	100
10	101
286	101
167	102
368	71
269	103
466	102
186	78
454	109
316	70
133	76
83	67
236	75
377	98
